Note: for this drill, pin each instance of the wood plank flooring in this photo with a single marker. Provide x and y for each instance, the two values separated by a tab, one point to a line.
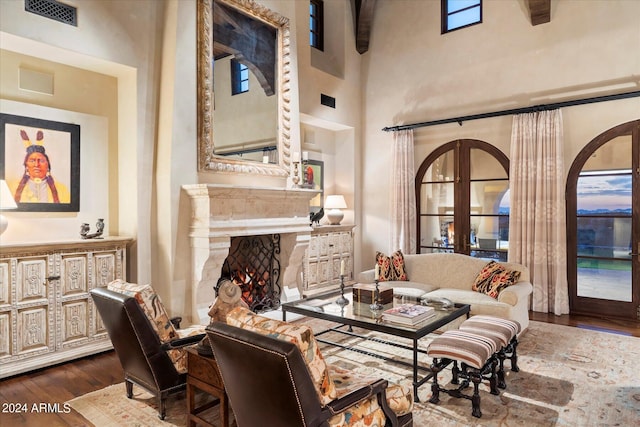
61	383
56	385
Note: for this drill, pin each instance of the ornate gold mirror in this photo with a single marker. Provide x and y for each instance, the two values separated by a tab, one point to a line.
243	43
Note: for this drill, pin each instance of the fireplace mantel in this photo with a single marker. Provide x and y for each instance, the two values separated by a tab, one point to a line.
220	212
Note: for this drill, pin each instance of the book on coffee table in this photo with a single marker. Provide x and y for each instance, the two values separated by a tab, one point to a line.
408	314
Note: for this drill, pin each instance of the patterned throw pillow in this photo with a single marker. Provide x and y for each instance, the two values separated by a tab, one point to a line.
493	278
391	268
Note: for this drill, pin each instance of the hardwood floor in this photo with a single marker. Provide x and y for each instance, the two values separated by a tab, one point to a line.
618	326
21	396
61	383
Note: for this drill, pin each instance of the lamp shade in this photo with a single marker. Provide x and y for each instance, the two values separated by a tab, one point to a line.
335	202
6	199
6	202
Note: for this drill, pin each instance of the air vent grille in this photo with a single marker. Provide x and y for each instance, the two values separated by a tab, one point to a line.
53	10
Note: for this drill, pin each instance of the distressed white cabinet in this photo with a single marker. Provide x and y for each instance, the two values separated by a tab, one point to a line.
328	247
46	312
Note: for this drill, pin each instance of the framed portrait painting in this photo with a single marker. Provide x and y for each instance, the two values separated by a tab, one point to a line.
313	178
41	163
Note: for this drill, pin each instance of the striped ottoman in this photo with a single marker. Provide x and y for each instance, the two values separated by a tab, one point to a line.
476	355
504	332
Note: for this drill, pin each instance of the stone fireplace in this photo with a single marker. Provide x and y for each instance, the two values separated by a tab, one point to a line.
221	213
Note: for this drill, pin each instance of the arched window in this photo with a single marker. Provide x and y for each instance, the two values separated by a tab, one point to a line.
462	193
603	225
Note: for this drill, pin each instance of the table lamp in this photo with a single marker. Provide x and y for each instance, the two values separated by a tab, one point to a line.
6	202
334	203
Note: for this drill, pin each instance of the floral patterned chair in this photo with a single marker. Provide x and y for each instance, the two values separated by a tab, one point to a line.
149	345
275	374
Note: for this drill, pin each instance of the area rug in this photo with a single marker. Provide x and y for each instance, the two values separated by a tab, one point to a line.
568	377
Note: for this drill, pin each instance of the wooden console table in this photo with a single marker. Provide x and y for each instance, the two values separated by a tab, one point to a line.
203	374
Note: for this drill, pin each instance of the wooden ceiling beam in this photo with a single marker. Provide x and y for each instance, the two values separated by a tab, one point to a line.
364	18
540	11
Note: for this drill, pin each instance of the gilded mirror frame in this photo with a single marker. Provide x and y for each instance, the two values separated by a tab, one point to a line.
208	161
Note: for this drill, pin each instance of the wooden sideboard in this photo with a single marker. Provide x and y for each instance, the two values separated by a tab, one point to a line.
328	247
46	312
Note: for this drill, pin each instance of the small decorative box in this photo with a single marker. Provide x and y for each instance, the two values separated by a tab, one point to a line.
365	293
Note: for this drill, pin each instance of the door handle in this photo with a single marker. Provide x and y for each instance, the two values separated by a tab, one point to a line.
465	242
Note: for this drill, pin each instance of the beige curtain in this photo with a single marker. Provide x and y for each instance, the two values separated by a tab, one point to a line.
403	196
537	224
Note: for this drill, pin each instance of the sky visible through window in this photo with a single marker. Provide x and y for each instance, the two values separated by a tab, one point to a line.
602	192
457	17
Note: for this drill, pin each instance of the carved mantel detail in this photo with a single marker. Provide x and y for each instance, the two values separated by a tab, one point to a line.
220	212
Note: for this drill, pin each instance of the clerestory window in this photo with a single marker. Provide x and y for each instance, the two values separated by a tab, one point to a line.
239	77
316	24
458	14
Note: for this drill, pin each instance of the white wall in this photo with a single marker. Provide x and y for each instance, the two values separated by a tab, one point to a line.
119	39
94	174
412	73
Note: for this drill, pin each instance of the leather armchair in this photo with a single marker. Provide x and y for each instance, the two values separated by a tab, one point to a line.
144	357
270	382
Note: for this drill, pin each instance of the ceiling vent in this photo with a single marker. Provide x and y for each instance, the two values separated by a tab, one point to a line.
53	10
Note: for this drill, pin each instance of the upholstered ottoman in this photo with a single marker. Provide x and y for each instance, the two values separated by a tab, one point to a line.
476	355
504	332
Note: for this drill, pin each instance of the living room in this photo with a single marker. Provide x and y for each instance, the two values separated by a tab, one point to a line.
127	73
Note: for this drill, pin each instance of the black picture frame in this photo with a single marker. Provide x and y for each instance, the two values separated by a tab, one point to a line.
315	180
61	148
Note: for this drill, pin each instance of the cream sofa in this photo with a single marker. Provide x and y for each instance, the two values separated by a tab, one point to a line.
452	275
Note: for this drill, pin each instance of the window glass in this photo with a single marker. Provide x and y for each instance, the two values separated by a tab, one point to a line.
316	24
239	77
460	13
484	166
604	193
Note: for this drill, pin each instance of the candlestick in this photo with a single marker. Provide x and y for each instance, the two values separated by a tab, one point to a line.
376	306
342	301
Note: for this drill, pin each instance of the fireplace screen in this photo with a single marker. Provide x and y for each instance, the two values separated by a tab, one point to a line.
253	264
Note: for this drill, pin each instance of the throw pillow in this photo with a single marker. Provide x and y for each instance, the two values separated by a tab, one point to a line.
391	268
493	278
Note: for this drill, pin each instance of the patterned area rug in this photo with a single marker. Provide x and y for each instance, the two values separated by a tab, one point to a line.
568	376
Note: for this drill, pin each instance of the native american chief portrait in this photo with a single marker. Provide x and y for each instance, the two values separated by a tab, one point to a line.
37	184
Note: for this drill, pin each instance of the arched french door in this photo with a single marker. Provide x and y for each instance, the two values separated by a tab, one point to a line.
603	225
462	194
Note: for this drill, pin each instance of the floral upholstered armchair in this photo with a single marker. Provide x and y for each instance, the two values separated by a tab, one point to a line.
275	374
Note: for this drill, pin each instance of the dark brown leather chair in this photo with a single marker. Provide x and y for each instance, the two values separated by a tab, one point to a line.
269	384
143	357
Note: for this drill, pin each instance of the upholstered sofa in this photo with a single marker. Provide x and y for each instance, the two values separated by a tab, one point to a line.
452	276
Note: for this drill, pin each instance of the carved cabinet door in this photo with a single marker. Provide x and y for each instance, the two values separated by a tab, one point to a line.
31	301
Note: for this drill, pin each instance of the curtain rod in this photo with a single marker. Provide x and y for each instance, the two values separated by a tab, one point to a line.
522	110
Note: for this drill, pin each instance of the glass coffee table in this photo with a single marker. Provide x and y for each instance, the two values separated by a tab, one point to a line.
360	315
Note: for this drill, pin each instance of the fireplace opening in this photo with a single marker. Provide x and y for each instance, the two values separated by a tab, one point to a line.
253	264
